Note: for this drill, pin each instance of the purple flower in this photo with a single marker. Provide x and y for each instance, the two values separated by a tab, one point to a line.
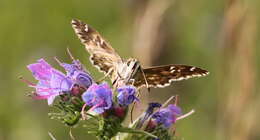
99	97
126	95
71	68
166	116
149	111
51	81
78	74
151	107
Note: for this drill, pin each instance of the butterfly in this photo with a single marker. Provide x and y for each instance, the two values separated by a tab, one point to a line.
126	71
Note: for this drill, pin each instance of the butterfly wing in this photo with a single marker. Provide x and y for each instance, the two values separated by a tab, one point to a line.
102	55
162	76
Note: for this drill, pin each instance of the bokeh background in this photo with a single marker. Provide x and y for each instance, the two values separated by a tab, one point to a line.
221	36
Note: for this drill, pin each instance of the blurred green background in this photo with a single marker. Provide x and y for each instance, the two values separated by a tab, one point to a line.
219	35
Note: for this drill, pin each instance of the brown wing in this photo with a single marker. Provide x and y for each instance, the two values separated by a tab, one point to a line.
162	76
102	55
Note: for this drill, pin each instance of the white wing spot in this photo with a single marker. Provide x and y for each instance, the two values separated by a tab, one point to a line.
74	26
172	67
172	71
101	41
151	78
188	76
73	21
77	31
192	68
86	28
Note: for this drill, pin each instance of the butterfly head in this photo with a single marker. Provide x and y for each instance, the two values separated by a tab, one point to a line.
126	71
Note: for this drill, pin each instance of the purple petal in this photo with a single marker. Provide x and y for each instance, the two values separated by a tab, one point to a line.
40	70
175	109
51	81
69	68
126	95
167	116
78	74
99	97
60	82
83	79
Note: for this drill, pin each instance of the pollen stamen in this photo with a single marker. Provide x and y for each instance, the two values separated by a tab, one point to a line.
185	115
27	81
82	111
70	54
58	61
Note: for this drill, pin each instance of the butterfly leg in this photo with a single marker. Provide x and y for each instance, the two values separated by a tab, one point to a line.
104	77
133	107
147	85
132	81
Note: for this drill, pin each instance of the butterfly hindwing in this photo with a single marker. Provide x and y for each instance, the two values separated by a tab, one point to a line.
102	55
162	76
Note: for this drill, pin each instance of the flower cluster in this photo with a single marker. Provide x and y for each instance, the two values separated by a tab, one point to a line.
52	82
99	97
75	94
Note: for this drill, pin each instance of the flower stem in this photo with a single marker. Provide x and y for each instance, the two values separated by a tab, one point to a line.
129	130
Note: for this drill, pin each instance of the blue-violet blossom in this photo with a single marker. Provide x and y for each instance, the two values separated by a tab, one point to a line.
76	72
51	81
166	116
126	95
149	111
99	97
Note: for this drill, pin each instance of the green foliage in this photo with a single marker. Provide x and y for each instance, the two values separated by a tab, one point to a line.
31	29
68	109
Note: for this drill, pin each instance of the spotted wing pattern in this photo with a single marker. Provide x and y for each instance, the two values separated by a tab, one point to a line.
102	55
162	76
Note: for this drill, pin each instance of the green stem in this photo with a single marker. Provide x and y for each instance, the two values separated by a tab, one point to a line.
94	117
129	130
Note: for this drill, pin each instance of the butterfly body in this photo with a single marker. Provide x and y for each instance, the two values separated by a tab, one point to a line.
129	71
125	71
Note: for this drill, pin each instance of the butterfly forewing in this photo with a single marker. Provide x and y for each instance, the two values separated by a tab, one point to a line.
162	76
102	55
